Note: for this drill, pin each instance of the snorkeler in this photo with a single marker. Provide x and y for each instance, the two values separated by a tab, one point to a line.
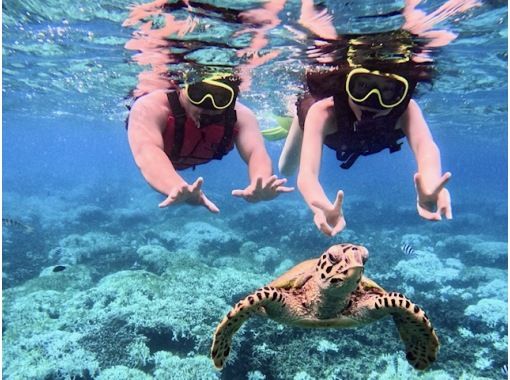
365	109
170	131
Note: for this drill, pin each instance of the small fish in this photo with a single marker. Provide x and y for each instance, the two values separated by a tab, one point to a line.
407	249
504	370
7	222
59	268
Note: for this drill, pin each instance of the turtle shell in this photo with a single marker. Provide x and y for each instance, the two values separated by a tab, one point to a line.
295	277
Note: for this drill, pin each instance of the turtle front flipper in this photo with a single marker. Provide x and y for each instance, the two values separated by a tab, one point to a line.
414	327
264	298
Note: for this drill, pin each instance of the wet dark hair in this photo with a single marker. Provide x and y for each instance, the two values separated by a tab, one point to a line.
231	80
195	74
323	82
390	52
199	90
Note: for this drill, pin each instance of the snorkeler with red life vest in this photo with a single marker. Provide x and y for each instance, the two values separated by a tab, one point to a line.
359	110
169	131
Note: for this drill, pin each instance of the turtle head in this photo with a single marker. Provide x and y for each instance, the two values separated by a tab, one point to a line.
341	267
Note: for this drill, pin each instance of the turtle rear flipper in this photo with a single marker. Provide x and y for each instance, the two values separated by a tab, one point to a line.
242	311
414	327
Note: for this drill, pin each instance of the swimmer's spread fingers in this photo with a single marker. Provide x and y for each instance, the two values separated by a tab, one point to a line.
328	207
196	186
170	199
276	183
339	200
444	204
250	190
284	189
436	190
209	204
447	212
270	182
238	193
442	182
260	191
258	185
339	226
322	225
278	187
429	215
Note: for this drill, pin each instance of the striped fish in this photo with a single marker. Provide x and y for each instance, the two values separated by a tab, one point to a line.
407	249
7	222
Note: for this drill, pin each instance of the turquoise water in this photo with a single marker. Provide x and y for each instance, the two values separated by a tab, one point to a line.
143	289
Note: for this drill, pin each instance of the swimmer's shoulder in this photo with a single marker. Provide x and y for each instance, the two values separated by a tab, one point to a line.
154	98
150	109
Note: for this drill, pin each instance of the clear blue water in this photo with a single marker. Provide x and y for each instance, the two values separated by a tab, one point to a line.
69	175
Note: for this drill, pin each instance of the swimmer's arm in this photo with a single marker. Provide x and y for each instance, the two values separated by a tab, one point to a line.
250	144
147	122
289	158
433	199
420	139
315	131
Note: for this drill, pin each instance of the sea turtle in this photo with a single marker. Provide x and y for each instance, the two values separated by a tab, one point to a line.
331	292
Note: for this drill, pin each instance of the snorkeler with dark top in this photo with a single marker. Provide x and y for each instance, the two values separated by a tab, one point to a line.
359	110
174	130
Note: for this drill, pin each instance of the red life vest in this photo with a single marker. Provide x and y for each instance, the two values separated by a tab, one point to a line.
187	145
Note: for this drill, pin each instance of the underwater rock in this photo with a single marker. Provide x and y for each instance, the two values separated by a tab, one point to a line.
90	215
490	252
496	288
267	257
122	372
76	248
131	217
174	312
173	367
491	312
158	258
248	248
475	250
201	238
16	224
416	241
284	266
426	269
52	355
73	277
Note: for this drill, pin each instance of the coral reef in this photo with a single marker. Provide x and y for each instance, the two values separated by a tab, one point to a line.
142	302
76	248
491	312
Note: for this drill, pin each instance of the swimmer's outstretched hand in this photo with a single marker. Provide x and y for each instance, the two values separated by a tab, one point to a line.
432	203
261	190
329	218
190	194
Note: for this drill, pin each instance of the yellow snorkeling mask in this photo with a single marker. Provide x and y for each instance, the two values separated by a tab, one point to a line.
216	92
376	89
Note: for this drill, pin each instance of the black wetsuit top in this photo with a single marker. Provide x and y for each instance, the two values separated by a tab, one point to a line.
369	135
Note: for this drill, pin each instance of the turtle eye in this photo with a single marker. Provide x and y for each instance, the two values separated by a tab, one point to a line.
332	258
